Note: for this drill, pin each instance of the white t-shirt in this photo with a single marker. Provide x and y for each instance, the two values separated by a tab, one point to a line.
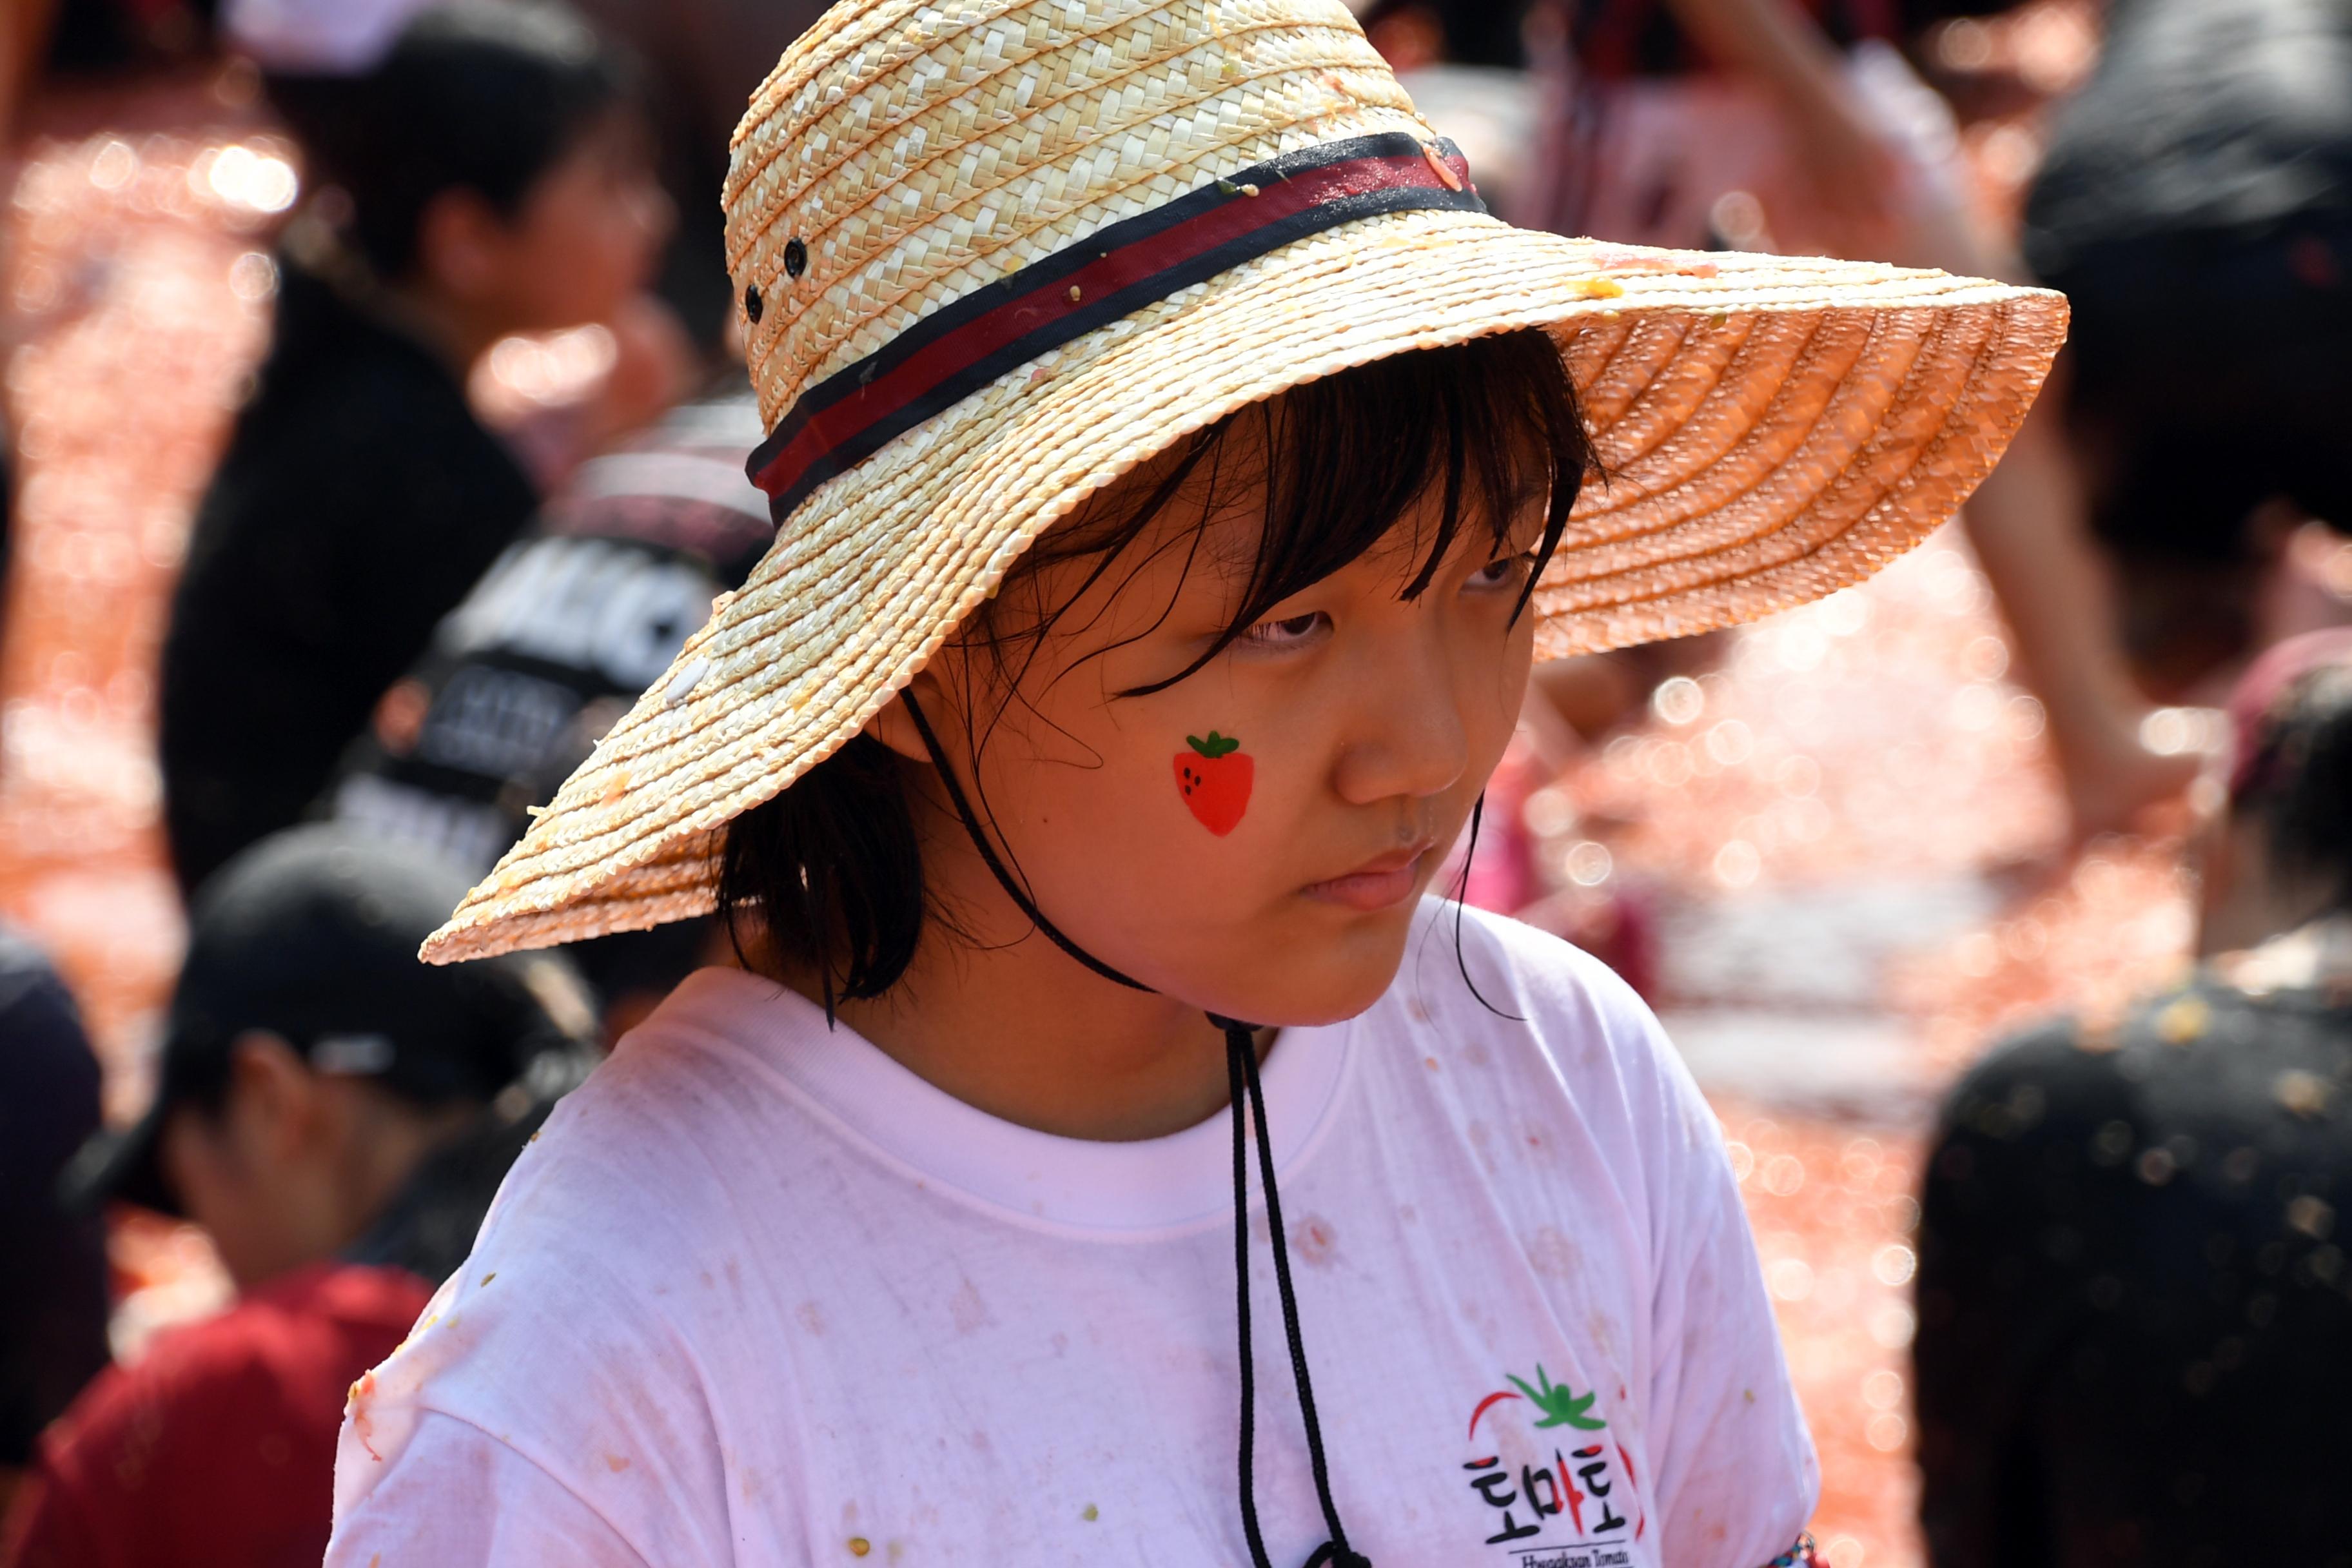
758	1295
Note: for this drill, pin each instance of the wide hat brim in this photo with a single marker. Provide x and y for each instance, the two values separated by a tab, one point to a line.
1772	428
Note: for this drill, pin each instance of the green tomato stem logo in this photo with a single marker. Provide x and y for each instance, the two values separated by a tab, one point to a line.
1561	1406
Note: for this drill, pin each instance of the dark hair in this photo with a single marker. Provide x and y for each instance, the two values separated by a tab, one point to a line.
2303	779
831	869
486	97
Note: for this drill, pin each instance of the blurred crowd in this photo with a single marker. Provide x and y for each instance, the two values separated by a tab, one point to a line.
409	607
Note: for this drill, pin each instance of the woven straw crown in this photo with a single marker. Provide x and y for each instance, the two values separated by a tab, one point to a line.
1255	204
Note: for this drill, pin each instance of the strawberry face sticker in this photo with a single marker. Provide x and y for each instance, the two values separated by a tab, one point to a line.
1214	778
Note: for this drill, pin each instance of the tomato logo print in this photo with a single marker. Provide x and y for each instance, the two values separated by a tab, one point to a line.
1215	780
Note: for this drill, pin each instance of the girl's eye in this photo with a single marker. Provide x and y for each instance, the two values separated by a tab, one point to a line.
1289	632
1507	572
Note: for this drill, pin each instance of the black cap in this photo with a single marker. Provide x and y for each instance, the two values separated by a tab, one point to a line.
311	934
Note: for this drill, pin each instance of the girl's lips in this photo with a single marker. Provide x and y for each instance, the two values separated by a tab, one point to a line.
1381	884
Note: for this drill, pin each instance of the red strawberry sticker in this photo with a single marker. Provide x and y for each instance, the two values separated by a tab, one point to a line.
1215	779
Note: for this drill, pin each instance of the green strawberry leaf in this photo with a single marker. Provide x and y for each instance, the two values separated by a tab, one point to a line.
1217	745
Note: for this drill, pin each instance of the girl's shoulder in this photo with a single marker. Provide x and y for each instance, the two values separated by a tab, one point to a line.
625	1257
1496	1008
635	1182
1470	969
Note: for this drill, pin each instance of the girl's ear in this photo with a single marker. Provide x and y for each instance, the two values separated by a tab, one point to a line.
895	730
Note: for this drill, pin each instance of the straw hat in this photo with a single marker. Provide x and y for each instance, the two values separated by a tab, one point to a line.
993	254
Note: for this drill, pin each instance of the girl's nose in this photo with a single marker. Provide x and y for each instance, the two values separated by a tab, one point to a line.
1409	739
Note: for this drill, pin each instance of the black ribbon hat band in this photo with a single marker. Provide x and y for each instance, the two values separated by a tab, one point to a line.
1117	270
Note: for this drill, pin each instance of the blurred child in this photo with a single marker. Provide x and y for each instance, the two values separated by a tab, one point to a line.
525	676
324	1098
497	180
2135	1341
1660	110
53	1313
1771	125
2206	161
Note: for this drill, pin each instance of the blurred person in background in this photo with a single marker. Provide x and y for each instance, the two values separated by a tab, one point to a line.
319	63
336	1115
53	1312
1770	126
1753	124
704	59
497	180
2196	208
2135	1340
524	678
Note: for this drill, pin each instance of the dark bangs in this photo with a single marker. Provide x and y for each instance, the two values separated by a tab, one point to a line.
829	873
1485	426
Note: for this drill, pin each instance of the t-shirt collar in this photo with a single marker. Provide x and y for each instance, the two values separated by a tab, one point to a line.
1138	1189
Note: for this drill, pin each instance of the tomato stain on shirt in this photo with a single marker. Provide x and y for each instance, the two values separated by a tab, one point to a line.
1552	1254
362	1426
969	1312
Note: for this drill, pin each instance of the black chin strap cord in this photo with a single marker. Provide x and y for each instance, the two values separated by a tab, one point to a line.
1242	1077
1013	889
1241	1081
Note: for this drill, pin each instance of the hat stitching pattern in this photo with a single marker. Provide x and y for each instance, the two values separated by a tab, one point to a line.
1218	124
821	134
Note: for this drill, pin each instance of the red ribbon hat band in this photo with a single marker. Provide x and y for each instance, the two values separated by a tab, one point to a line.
1113	272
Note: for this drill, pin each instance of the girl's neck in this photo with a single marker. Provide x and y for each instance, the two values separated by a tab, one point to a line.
993	1030
1006	1022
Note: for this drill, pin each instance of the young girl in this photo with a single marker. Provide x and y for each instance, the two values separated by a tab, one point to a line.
1176	471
